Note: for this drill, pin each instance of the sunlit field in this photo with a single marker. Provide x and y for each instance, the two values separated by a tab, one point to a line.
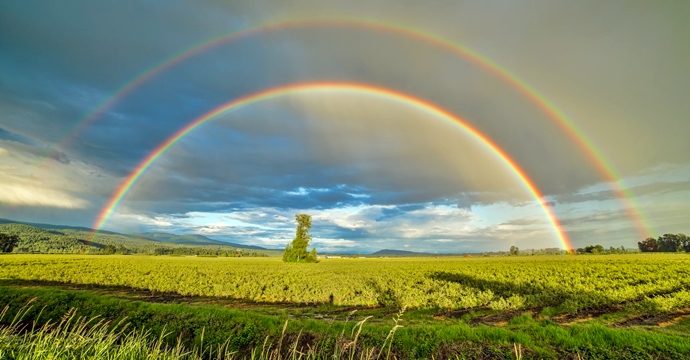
192	181
567	283
499	303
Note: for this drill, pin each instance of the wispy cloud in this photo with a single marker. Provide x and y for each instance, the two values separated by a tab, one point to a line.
30	192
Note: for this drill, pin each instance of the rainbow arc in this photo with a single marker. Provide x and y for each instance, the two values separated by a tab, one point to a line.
358	88
584	143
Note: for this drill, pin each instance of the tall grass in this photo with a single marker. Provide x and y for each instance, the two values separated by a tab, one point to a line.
78	337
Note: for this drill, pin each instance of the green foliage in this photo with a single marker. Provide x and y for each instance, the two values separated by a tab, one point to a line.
81	338
296	251
594	249
79	325
638	283
598	249
514	250
618	250
79	241
591	249
33	240
648	245
666	243
8	242
288	253
112	249
565	283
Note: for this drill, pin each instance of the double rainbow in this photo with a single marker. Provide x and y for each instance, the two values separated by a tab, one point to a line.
595	156
358	88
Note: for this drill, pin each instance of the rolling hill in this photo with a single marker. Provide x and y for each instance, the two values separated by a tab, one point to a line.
191	239
49	238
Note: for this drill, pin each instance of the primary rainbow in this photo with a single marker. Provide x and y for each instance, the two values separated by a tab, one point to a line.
359	88
602	165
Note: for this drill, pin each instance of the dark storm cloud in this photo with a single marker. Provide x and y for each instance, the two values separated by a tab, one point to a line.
331	231
33	147
47	215
468	199
6	135
656	188
392	212
36	116
595	219
79	53
141	122
98	42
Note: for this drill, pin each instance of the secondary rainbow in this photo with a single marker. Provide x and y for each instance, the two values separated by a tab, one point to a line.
359	88
602	165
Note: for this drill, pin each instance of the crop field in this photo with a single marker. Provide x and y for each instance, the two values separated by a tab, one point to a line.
641	295
570	283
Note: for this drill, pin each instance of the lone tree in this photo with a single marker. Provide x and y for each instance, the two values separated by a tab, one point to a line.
8	242
514	250
296	251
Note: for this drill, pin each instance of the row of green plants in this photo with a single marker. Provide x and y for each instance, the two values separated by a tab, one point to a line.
80	337
568	284
59	324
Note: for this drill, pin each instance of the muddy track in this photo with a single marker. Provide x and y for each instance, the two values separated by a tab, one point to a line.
660	320
503	318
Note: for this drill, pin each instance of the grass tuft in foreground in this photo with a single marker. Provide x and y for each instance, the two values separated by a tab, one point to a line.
78	337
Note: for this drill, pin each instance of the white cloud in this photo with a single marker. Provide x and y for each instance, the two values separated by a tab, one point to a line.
33	194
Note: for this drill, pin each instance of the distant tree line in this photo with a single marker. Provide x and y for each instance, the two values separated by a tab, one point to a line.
21	238
666	243
35	240
206	251
590	249
598	249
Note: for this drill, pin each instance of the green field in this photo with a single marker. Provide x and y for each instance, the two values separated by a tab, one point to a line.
597	306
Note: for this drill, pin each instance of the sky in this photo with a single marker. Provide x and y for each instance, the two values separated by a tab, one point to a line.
83	102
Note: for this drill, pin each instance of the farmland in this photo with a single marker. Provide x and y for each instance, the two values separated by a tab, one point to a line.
507	299
568	283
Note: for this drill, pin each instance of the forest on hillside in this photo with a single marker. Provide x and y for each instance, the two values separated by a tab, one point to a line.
33	239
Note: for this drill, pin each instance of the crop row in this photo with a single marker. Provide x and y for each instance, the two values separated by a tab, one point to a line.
572	283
